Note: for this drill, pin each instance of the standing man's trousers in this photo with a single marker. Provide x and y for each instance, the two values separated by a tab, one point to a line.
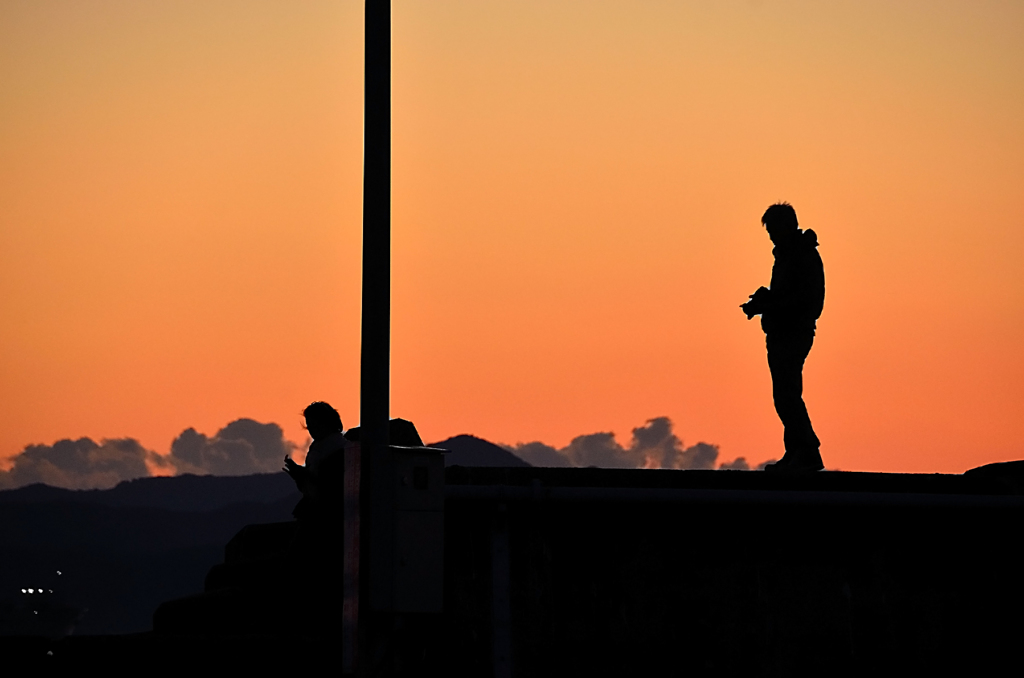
787	351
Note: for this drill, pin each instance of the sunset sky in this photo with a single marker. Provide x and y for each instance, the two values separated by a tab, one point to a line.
577	192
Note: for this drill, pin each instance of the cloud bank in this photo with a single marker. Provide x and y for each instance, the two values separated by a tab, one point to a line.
79	464
246	446
243	447
653	445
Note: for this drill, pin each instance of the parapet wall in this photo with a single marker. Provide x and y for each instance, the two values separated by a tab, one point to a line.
599	572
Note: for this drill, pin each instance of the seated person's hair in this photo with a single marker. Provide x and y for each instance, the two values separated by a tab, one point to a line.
321	415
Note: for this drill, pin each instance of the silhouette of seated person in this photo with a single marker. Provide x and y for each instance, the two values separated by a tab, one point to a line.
789	311
322	479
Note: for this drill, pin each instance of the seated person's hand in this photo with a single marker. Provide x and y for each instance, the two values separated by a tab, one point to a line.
298	473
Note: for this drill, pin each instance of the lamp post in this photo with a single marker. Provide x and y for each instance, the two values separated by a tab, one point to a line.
376	489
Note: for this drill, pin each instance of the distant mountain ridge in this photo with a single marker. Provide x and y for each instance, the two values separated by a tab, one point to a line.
173	493
123	550
114	555
468	450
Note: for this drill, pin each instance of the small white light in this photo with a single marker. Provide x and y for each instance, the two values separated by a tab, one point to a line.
49	590
58	573
35	611
31	590
24	590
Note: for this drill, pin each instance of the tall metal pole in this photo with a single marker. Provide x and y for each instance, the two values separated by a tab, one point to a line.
377	482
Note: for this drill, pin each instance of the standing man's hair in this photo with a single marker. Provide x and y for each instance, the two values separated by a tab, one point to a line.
322	414
780	214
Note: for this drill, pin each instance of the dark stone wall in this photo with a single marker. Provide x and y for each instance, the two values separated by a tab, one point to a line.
789	582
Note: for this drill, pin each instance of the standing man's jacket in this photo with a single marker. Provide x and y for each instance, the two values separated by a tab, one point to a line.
797	293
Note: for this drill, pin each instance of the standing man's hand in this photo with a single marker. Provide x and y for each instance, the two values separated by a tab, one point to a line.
757	303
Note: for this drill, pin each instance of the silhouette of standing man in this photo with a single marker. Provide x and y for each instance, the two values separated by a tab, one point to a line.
789	311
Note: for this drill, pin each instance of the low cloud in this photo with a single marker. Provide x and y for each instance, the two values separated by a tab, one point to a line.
539	454
653	445
738	464
80	464
246	446
243	447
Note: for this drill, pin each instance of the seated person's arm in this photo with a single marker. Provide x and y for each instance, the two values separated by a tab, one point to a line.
300	474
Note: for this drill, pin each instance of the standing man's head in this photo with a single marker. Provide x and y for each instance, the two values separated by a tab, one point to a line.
322	420
780	221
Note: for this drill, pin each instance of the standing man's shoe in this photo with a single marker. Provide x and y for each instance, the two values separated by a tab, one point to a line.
790	463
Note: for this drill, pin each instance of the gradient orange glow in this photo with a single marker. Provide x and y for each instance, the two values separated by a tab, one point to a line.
577	194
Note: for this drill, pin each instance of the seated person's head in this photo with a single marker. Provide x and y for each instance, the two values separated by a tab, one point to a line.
322	420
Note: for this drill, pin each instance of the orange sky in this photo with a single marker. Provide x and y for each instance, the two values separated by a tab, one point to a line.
577	194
